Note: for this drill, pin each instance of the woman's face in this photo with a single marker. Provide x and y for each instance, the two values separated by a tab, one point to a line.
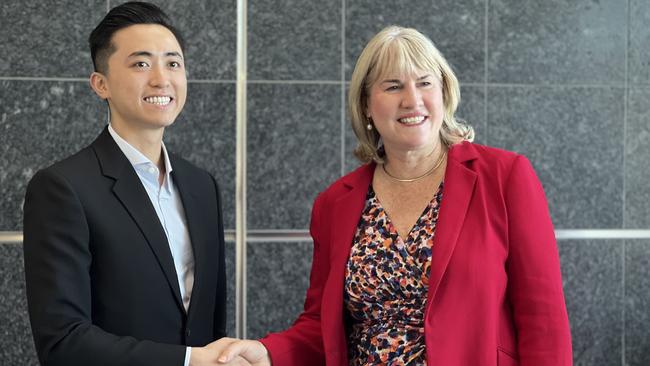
407	111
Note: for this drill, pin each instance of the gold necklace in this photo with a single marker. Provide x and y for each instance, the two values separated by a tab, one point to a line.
436	166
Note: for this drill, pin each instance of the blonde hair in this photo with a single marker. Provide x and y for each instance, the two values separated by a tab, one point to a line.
404	50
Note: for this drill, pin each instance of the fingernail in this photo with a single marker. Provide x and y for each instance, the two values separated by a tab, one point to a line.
223	359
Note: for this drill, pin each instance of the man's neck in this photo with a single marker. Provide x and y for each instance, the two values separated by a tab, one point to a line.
146	141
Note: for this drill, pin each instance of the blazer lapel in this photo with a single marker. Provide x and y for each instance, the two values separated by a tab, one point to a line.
456	195
345	214
194	221
133	196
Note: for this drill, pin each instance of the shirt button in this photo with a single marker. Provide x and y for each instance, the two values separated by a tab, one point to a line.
152	170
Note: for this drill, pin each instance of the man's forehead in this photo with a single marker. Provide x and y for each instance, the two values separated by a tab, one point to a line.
151	38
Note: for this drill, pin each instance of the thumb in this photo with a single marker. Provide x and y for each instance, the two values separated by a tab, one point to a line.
233	350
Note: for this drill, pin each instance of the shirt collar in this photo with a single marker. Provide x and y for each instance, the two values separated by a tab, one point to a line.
136	158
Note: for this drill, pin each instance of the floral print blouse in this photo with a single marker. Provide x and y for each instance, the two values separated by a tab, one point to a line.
386	284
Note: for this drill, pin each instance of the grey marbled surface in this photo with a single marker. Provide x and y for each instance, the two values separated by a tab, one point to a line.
294	151
557	41
593	288
574	138
277	281
40	122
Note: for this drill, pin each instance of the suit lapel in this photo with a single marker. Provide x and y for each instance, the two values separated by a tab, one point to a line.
457	193
345	214
129	191
194	221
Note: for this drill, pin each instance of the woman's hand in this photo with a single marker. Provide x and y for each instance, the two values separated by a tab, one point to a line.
252	351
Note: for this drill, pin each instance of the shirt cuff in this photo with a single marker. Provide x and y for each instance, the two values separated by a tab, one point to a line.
188	354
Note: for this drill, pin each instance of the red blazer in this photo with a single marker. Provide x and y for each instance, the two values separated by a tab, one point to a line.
495	289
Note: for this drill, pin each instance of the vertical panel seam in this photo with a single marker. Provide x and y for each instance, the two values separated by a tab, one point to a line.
485	73
342	87
240	171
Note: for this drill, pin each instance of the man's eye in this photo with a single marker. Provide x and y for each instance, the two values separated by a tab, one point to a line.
175	64
140	64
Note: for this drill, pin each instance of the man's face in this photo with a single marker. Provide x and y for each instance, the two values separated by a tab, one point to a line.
145	84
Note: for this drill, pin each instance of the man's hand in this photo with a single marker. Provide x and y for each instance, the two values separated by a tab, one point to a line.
209	354
252	351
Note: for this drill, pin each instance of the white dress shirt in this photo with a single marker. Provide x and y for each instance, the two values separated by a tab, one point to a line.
167	202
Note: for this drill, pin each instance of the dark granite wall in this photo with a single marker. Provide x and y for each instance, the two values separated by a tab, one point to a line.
567	83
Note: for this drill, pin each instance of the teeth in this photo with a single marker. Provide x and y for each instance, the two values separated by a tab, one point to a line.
411	120
158	100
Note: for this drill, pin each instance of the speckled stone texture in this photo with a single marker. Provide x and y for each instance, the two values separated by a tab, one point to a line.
593	290
16	343
574	138
278	277
637	151
40	122
639	52
48	39
294	40
637	303
294	151
209	29
557	41
457	28
231	292
204	133
472	110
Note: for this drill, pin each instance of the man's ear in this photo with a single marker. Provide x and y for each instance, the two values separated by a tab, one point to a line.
99	85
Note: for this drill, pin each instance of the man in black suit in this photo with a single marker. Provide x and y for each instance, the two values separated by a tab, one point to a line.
123	241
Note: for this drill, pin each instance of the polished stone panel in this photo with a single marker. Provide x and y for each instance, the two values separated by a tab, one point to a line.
41	122
574	138
294	40
637	153
16	342
592	277
294	151
204	133
277	281
639	52
47	38
637	303
209	29
472	110
456	27
557	41
231	295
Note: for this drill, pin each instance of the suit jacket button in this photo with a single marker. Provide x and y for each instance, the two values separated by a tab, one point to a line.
187	333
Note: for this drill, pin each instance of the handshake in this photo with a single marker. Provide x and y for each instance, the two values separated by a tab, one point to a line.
231	351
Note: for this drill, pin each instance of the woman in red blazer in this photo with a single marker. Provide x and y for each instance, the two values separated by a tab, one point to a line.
437	251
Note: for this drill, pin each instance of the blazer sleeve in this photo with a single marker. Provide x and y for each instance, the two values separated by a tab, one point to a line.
534	278
57	270
302	343
221	294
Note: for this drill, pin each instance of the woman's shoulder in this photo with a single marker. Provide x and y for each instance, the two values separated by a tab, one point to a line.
362	175
484	158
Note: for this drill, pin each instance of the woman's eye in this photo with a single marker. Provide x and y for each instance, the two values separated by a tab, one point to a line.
392	87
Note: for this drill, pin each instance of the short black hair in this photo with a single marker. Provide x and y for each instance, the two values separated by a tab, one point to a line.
122	16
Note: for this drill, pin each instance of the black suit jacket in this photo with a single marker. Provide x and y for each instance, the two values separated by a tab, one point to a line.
101	284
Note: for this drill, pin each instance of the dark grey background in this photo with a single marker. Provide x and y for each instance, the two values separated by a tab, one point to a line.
567	83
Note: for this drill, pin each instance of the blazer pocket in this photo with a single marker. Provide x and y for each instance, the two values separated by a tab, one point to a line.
505	358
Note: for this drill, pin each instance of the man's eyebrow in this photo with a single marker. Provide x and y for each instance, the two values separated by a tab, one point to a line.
140	53
149	54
